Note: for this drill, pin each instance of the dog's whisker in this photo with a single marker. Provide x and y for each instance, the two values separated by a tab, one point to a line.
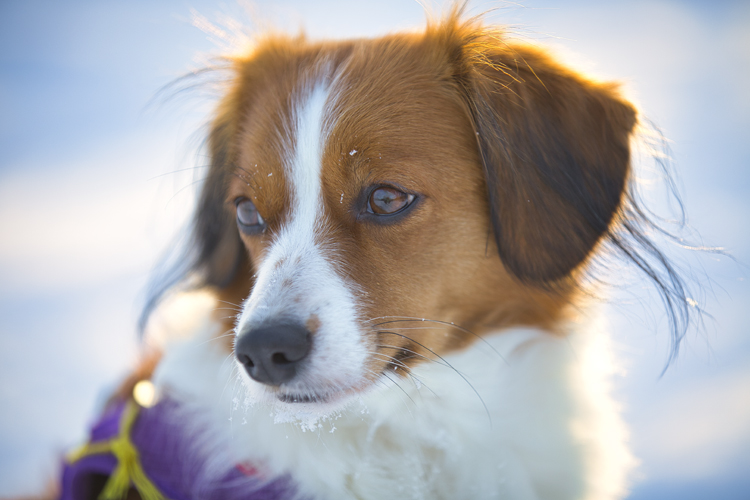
238	306
219	337
377	378
486	409
395	382
407	319
235	309
404	349
228	317
226	333
418	383
390	360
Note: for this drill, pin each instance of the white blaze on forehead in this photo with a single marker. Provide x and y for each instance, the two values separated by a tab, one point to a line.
297	279
306	164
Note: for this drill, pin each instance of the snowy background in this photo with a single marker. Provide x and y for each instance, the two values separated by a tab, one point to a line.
94	182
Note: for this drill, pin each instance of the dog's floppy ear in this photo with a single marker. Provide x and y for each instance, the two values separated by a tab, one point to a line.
555	149
215	256
220	250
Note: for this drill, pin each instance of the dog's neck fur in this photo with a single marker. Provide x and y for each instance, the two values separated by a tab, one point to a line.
521	414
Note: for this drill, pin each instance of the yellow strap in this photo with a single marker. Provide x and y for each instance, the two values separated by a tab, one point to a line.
128	468
89	449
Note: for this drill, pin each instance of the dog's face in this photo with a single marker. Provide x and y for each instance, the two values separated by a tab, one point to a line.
380	203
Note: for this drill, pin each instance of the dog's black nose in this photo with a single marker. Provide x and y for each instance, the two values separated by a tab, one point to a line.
272	354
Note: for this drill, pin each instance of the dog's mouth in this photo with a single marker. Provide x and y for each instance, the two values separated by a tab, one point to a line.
301	398
323	396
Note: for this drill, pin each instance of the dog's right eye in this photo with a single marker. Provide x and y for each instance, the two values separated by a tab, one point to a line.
248	219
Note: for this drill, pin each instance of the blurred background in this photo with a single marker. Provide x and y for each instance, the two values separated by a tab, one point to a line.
97	177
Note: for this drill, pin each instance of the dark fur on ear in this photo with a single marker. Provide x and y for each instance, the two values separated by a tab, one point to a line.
555	150
220	250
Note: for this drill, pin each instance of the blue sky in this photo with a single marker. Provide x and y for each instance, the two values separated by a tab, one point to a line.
92	190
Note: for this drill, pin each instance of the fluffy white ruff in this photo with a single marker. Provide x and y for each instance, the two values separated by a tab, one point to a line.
524	415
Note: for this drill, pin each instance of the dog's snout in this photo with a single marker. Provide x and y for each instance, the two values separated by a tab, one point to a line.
272	354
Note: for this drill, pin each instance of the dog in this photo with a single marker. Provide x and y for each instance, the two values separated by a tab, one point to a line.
405	228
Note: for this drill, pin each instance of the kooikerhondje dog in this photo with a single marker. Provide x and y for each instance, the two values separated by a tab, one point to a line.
405	225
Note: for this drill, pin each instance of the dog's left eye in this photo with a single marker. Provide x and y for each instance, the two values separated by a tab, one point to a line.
388	201
248	218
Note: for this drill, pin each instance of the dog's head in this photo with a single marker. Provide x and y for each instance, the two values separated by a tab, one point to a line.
379	202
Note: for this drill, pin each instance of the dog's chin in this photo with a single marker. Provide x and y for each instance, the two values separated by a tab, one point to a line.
304	401
309	410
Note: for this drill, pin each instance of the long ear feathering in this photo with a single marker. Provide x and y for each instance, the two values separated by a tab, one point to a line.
633	237
556	155
210	254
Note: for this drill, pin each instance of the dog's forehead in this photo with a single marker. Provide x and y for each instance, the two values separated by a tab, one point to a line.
351	114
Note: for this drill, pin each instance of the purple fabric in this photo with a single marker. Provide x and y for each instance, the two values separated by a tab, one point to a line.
169	460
